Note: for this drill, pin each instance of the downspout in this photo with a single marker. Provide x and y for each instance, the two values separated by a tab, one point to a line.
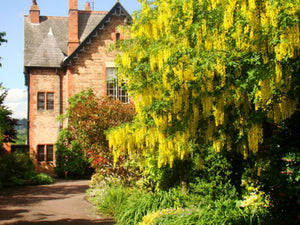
60	94
27	83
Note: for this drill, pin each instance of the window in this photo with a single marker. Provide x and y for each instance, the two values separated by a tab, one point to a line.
112	89
41	100
45	150
50	101
45	101
49	150
41	153
118	36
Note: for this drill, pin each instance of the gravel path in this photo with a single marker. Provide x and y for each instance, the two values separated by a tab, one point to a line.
59	203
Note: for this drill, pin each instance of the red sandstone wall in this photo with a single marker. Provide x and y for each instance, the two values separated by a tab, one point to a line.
89	70
43	125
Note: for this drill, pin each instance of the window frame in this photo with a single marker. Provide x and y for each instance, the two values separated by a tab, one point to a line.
45	153
113	90
44	101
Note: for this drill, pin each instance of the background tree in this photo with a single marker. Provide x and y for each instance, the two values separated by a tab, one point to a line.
7	124
208	72
2	34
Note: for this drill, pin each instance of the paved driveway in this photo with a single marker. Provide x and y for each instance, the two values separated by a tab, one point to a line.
59	203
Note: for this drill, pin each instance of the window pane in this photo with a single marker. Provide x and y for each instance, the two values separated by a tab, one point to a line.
41	153
41	101
122	95
110	73
111	89
49	153
50	100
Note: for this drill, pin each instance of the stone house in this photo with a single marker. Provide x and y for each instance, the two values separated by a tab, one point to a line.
62	56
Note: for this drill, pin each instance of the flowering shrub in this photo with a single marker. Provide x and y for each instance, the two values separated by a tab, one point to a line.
89	117
149	219
255	199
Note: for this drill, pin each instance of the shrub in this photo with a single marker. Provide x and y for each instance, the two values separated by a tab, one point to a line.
15	168
70	159
43	178
84	142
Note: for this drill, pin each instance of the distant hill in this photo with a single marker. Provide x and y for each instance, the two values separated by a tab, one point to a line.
22	124
22	132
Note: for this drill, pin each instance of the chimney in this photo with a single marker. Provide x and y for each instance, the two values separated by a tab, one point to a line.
73	26
87	6
35	13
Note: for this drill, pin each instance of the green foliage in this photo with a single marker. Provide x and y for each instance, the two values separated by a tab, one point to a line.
15	168
113	200
139	203
136	206
220	212
277	170
7	124
214	182
2	34
71	162
42	178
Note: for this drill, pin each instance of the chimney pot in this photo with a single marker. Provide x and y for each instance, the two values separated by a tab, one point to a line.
87	6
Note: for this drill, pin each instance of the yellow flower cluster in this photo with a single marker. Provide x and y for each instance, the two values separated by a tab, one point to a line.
149	219
255	199
255	137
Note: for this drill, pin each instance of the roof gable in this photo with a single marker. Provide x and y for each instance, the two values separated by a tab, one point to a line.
117	10
48	54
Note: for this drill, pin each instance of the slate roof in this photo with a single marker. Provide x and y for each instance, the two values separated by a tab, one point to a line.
46	43
48	54
43	48
36	37
87	23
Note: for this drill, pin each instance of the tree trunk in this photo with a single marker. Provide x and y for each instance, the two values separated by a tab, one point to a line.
183	176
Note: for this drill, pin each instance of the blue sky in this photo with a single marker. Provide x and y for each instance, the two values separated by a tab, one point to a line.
11	21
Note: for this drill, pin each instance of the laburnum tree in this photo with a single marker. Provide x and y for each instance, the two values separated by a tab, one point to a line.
208	73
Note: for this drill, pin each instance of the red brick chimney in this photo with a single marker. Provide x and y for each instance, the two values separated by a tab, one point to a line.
73	26
87	6
34	12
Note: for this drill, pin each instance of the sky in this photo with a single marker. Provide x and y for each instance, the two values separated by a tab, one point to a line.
11	21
